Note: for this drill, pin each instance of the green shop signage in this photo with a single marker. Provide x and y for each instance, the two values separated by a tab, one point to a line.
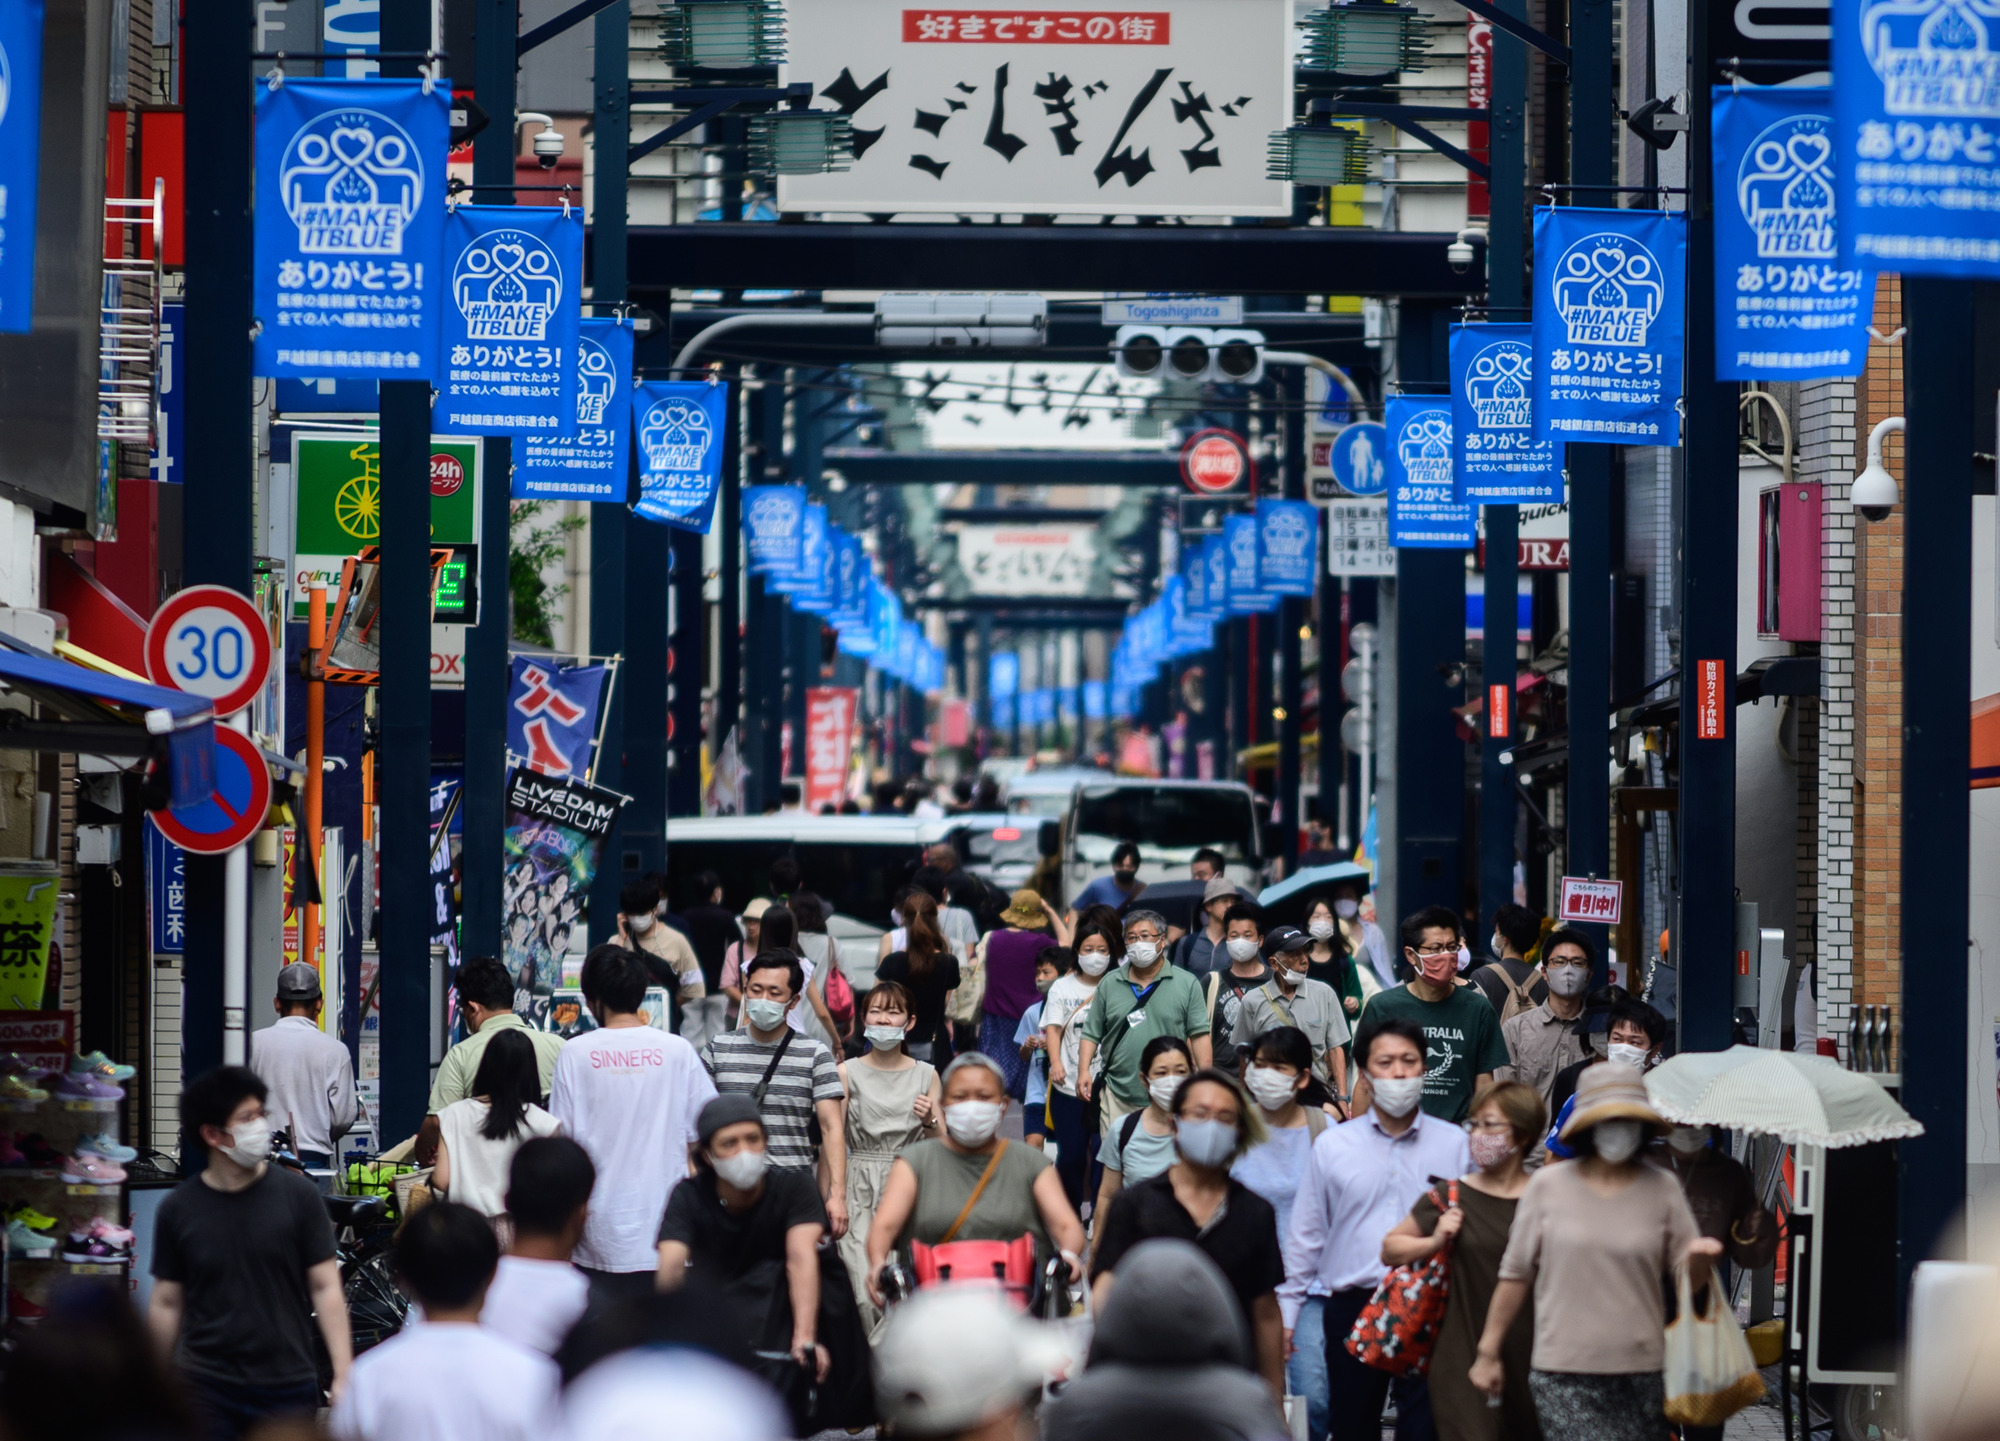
337	503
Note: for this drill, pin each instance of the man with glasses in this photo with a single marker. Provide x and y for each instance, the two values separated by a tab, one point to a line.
1543	1041
1145	997
1461	1028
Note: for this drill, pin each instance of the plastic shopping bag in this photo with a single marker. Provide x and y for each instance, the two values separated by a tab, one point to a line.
1710	1374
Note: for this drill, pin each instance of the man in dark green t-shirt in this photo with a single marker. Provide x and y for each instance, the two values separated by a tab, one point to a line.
1460	1025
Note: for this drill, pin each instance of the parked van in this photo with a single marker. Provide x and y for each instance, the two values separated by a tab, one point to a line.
1169	821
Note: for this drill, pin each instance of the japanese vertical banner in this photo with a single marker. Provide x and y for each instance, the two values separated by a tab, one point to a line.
1712	701
591	463
20	158
1785	308
774	523
679	426
552	714
805	581
829	739
350	228
1423	514
1916	106
1610	287
1496	458
1478	96
1239	545
27	925
1287	547
510	327
554	838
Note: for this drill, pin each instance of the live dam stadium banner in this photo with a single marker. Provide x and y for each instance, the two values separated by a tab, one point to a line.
556	829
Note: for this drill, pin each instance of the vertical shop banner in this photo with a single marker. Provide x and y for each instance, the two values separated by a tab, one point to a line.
168	446
166	892
1239	543
774	526
511	325
27	925
552	714
1497	460
555	835
1610	288
1194	574
1785	308
348	274
1478	96
1423	514
850	583
590	464
679	425
1916	103
829	741
1287	547
445	816
1215	558
805	580
20	159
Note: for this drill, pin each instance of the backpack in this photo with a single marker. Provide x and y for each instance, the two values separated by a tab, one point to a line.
1518	999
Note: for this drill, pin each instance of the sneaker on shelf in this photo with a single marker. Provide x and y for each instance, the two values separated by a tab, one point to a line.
101	1066
20	1308
21	1241
11	1158
87	1250
13	1063
84	1086
14	1088
28	1216
102	1144
92	1171
41	1155
107	1230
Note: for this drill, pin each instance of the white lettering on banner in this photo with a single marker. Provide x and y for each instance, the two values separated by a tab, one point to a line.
1582	899
1935	57
676	436
1608	291
351	180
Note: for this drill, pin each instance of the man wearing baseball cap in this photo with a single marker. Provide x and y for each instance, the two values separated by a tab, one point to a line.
1292	998
308	1072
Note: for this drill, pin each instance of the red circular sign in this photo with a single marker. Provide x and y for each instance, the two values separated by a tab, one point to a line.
210	641
1215	462
234	811
447	474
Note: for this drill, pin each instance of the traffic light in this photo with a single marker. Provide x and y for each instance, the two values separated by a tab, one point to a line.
1191	353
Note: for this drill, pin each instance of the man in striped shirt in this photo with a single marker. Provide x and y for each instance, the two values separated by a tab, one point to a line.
791	1077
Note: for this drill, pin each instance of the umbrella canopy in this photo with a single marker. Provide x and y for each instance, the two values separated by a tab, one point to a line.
1298	892
1176	900
1802	1100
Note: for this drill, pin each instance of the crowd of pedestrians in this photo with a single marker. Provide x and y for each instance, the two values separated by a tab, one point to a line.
1207	1147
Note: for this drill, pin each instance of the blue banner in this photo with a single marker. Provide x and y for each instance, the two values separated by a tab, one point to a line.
1916	105
1215	560
1422	513
1186	633
850	583
1003	673
350	228
774	523
552	714
1785	309
510	329
1194	574
679	424
168	445
166	892
1609	322
1497	460
20	159
593	463
807	576
1239	544
1287	547
1094	699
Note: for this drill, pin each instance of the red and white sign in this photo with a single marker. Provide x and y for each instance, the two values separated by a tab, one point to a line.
1499	704
1541	554
1590	900
209	640
1478	96
1216	462
829	741
447	474
40	1038
234	811
1037	27
1711	701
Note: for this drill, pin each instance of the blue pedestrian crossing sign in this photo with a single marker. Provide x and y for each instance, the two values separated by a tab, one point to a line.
1359	459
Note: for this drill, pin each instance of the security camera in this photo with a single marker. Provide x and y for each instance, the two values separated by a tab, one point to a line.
1459	252
1875	492
547	142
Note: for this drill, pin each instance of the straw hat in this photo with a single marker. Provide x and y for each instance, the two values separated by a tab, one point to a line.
755	910
1026	911
1609	1091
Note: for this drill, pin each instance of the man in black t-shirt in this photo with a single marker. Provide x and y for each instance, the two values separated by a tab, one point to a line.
243	1265
1515	932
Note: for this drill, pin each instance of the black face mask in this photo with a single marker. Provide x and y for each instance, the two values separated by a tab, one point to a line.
1125	878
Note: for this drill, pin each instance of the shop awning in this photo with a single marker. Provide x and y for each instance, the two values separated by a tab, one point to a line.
1264	757
95	713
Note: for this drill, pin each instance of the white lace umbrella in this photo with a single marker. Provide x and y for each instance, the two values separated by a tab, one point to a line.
1802	1100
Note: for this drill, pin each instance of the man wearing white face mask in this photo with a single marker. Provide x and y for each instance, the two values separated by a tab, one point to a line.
1543	1040
243	1265
1144	998
668	956
1363	1179
1292	998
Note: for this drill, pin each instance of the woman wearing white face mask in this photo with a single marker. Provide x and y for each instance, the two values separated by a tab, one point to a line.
1098	949
1334	960
893	1101
1140	1144
1595	1241
930	1196
1364	938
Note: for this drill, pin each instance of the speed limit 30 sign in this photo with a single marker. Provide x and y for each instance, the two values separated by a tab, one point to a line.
210	641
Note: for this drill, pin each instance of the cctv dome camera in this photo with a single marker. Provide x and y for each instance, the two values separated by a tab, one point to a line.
1874	512
1460	256
548	145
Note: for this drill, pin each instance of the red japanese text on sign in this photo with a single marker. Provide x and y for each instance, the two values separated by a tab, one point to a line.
1046	27
829	737
1710	701
1497	698
1581	899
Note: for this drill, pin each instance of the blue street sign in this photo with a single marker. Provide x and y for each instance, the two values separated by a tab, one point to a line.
1422	512
592	463
166	892
679	425
20	159
1359	458
1785	308
167	442
1497	459
1608	328
510	324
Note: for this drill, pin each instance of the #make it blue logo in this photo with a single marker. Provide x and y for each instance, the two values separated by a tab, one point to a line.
351	181
1608	291
507	285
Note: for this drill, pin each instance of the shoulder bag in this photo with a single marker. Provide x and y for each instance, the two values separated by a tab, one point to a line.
1398	1329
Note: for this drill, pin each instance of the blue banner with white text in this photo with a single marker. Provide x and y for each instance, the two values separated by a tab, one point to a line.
1785	308
1423	515
806	577
679	425
1497	459
1239	544
349	230
20	159
1287	547
511	323
774	522
1609	325
591	464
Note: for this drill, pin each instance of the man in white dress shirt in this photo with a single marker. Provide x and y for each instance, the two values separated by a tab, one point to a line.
309	1073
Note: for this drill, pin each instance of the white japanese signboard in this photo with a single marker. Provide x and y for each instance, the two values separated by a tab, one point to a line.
1579	899
1028	560
1162	108
1357	538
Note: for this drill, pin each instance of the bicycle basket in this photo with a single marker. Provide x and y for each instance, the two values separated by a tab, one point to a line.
1010	1265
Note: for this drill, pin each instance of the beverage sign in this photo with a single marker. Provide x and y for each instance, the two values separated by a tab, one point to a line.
1215	462
1597	901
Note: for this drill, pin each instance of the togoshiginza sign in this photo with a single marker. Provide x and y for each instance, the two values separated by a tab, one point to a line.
1164	109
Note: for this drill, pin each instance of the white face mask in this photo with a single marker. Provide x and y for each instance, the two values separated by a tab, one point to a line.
884	1038
1271	1088
1464	959
1622	1054
1093	963
1241	949
972	1123
742	1170
1397	1095
1206	1143
638	925
1163	1089
1497	946
1321	930
765	1015
1290	979
1141	953
1616	1141
251	1142
1568	978
1347	910
1688	1140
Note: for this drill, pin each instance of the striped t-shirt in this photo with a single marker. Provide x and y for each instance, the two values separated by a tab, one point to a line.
805	1076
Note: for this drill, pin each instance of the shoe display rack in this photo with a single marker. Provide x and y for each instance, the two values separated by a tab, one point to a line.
62	1180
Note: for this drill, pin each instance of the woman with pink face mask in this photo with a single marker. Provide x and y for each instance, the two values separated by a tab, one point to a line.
1506	1121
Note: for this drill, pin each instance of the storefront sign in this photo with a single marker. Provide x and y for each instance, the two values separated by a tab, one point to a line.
829	741
510	327
1785	309
44	1039
349	233
20	159
1579	899
1423	511
1497	460
1608	328
166	892
1028	560
337	503
679	425
27	925
591	464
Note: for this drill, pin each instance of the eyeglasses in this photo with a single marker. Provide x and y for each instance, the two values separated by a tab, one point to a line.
1131	936
1202	1113
1435	950
1488	1128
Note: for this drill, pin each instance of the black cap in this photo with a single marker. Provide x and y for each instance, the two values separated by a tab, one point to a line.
1286	938
298	982
725	1110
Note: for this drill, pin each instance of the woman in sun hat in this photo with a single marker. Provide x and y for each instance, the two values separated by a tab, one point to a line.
1007	959
1595	1239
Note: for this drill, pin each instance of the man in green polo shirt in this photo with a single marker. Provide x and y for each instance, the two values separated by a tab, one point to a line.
1144	998
1460	1025
486	996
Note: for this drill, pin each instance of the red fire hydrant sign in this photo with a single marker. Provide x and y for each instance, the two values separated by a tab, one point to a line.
1590	900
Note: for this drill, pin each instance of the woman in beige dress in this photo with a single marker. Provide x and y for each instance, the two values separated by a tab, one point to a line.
892	1102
